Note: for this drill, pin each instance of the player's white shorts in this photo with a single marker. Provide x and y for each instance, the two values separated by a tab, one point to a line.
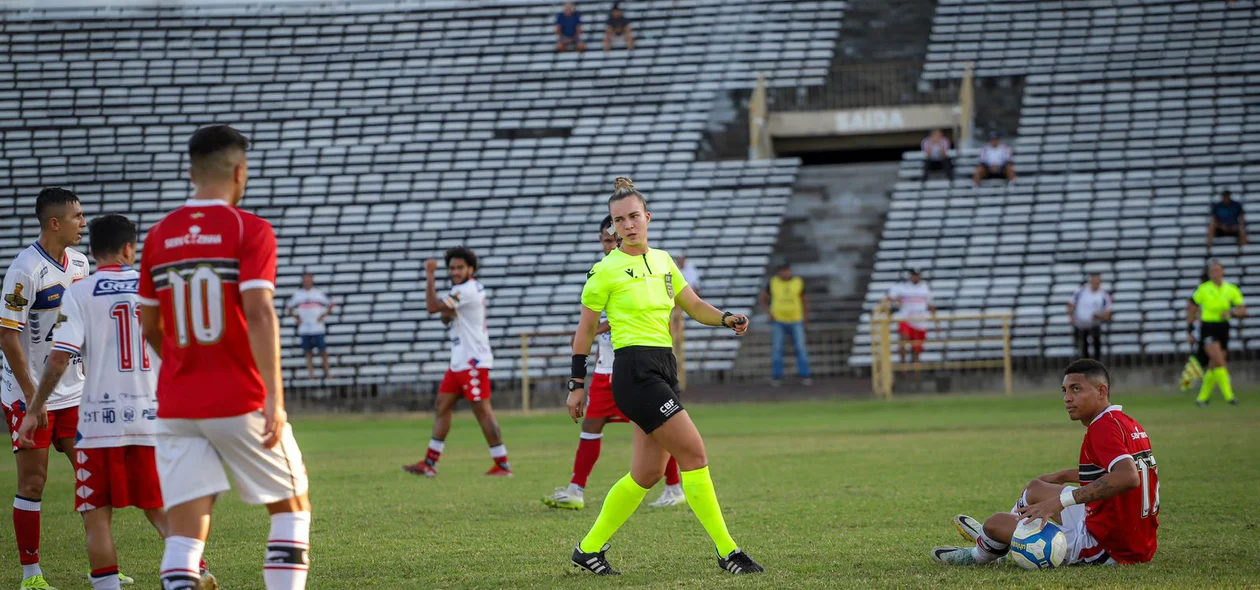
192	454
1083	548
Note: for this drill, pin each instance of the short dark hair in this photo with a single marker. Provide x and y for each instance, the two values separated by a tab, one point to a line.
108	234
208	142
1090	368
606	223
1227	195
462	253
49	198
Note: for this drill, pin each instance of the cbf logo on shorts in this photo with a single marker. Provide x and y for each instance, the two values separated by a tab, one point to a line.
670	408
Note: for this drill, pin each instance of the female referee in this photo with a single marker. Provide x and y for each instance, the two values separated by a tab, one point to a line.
637	287
1213	303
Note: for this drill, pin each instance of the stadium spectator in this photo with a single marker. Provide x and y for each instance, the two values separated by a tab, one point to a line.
1227	219
692	275
995	161
569	29
913	299
784	299
311	307
690	272
1088	310
936	154
618	26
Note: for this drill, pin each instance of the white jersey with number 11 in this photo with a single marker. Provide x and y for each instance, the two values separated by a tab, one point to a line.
102	322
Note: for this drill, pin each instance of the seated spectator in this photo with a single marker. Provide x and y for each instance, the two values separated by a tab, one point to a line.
1227	220
569	29
936	154
995	161
618	26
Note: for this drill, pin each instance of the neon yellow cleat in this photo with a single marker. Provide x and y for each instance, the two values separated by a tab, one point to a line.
125	580
35	583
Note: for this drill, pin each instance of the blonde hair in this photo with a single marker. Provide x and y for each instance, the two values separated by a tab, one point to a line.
623	188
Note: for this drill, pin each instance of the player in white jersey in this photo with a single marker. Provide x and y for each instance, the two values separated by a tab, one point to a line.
114	461
913	299
311	307
34	285
602	409
463	310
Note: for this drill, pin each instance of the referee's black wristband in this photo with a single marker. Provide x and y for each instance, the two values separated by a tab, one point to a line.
578	371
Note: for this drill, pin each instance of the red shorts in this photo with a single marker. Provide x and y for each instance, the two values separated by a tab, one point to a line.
912	334
473	384
117	477
600	402
63	423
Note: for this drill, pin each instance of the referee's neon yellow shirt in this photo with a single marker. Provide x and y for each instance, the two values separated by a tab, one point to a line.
1215	302
637	293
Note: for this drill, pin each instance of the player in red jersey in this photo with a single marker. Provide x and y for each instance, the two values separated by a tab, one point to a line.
602	409
206	285
1112	517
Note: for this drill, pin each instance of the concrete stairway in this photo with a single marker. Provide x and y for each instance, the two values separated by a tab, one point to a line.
829	234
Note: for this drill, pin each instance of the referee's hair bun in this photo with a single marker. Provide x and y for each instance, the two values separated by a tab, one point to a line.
621	182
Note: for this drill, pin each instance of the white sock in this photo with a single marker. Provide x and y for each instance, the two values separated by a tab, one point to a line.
437	445
675	489
31	570
576	490
180	563
498	451
106	582
988	551
287	561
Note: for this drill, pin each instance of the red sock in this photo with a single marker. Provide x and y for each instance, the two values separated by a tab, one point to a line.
435	451
587	455
26	529
202	565
672	477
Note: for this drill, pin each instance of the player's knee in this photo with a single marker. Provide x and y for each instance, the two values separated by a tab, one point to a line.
31	485
999	527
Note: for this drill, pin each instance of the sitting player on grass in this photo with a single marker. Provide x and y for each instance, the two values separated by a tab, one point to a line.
1111	519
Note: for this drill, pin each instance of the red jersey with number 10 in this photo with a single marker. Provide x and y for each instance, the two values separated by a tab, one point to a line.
196	262
1124	525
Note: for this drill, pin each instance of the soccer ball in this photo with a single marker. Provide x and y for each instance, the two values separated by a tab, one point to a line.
1038	544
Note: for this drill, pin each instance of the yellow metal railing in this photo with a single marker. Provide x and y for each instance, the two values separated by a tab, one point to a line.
883	368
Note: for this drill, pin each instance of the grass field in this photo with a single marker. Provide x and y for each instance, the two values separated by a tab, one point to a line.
825	494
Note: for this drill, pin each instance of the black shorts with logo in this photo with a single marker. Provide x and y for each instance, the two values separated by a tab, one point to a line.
645	385
1210	332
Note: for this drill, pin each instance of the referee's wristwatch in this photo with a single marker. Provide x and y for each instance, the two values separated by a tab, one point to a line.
575	384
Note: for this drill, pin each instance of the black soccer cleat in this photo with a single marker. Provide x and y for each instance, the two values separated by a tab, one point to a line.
1233	402
739	562
595	562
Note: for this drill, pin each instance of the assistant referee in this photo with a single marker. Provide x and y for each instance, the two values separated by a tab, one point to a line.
638	287
1213	303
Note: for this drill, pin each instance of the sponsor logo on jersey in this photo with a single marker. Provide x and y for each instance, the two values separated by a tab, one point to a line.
669	284
129	415
15	301
78	263
194	237
115	286
590	273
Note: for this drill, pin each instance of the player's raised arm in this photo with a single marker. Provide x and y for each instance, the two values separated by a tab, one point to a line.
431	301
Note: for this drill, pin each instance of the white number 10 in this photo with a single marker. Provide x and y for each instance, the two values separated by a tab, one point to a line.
198	305
1150	502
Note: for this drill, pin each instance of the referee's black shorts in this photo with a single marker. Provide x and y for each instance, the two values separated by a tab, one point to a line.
1210	332
645	385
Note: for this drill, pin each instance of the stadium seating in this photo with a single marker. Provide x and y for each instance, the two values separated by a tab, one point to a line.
1135	116
384	134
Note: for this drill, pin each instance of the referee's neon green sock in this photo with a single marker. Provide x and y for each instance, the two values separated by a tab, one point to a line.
1209	383
622	500
704	503
1222	379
